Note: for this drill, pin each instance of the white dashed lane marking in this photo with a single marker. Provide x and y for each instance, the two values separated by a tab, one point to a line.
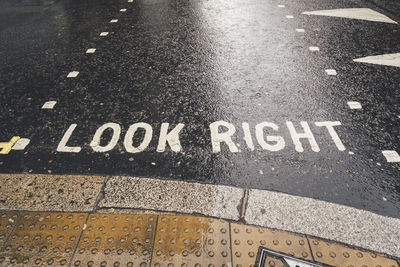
300	30
353	13
90	50
289	17
21	144
113	21
354	105
391	155
313	48
281	5
104	34
331	72
72	74
123	10
49	105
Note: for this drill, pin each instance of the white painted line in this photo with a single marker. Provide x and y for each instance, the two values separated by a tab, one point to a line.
49	105
353	13
323	219
386	59
104	34
300	30
391	155
351	153
289	17
281	5
123	10
130	1
354	105
313	48
21	144
72	74
331	72
90	50
113	21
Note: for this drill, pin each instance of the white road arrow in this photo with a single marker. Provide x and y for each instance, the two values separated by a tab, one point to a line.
387	59
353	13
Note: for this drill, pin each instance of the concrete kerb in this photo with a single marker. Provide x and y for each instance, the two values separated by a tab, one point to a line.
274	210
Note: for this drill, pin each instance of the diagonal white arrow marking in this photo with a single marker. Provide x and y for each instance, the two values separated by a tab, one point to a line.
353	13
386	59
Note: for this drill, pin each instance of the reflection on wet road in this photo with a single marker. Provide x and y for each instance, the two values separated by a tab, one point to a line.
253	94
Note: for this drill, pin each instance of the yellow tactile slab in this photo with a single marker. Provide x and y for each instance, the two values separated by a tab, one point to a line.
247	239
40	239
116	240
339	255
7	223
191	241
51	239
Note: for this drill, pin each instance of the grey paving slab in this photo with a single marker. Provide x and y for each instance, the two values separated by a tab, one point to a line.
49	192
326	220
211	200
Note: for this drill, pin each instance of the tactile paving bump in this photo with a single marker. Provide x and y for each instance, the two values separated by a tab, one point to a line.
246	240
339	255
191	241
116	240
7	222
272	262
42	239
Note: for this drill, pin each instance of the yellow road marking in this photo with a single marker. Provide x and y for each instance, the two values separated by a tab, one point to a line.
6	146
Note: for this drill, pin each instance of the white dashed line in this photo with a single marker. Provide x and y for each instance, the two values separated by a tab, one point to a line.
113	21
391	155
289	17
123	10
300	30
49	105
313	48
351	153
72	74
130	1
21	144
331	72
261	172
90	50
354	105
281	5
104	34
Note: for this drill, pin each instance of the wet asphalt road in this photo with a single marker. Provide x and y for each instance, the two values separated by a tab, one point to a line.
197	62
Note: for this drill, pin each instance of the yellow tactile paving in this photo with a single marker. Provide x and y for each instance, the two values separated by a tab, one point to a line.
51	239
339	255
247	239
7	223
116	240
40	239
191	241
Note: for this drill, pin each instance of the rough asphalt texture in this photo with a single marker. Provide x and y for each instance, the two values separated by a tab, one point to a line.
197	62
